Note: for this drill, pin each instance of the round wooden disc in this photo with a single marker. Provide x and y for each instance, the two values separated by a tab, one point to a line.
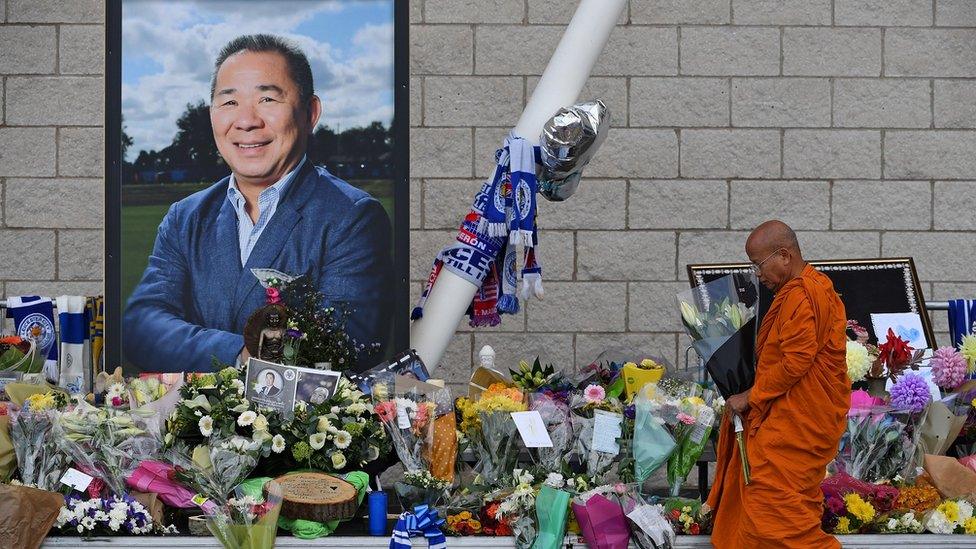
317	496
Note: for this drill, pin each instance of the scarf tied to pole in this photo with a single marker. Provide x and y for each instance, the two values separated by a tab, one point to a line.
502	217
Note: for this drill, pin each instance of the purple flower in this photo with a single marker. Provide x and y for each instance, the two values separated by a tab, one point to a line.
293	333
630	412
911	392
948	367
836	506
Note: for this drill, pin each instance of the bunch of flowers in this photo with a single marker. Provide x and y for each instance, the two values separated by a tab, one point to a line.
491	523
117	396
689	417
409	422
246	522
848	515
106	443
686	516
532	378
39	459
316	333
585	459
900	523
949	368
142	391
516	506
114	515
951	516
215	469
462	523
911	392
878	445
333	434
210	406
488	428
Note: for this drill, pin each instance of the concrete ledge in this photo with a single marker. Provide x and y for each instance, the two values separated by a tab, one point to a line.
572	542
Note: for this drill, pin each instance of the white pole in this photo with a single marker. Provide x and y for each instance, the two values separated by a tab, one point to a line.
560	86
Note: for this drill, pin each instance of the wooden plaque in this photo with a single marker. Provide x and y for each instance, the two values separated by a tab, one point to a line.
317	496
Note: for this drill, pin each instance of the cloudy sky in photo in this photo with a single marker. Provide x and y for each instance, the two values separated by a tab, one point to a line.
168	50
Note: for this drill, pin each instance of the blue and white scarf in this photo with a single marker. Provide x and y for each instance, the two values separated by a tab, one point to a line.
423	521
962	319
34	319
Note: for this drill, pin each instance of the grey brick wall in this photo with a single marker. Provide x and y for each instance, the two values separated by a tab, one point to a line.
854	120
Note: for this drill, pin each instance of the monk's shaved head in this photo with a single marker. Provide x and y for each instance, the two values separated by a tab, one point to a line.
772	235
775	254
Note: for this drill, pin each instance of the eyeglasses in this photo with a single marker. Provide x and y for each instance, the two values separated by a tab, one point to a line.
757	267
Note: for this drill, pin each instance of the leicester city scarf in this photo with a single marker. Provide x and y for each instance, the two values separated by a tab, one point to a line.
962	319
74	368
34	319
502	217
423	521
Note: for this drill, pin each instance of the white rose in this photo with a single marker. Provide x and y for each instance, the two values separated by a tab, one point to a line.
372	453
338	460
246	418
324	425
316	441
260	423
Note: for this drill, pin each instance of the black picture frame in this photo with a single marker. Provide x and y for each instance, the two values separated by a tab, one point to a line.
866	286
113	177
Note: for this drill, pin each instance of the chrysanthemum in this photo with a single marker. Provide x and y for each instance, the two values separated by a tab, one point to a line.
858	361
278	444
861	509
948	367
911	392
206	425
968	349
342	439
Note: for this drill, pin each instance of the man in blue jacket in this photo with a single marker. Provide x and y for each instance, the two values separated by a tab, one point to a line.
276	210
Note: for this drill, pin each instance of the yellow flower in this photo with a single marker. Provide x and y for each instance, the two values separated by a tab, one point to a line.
968	349
39	402
695	401
630	364
950	509
861	509
843	526
649	364
970	526
465	515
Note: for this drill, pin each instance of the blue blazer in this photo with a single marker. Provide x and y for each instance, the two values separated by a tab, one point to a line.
194	297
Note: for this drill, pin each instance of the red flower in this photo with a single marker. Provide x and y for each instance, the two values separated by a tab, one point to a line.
274	296
3	409
386	411
695	529
116	401
675	514
895	352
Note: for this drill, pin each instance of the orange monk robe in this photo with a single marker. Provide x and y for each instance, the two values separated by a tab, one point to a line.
797	414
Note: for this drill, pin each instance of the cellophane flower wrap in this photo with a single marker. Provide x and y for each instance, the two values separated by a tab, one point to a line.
489	430
584	457
516	507
106	443
556	416
40	461
215	469
601	519
879	444
245	522
653	443
649	529
687	411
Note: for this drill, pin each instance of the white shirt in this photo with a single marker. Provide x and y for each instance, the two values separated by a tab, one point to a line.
249	232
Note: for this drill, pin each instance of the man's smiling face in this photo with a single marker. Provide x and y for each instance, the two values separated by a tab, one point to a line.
260	123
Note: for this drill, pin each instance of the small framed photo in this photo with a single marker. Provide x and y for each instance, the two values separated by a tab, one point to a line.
271	385
316	386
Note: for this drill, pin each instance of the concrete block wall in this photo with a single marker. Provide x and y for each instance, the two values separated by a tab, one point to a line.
853	120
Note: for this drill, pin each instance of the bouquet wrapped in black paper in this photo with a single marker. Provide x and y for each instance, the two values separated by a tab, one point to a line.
720	318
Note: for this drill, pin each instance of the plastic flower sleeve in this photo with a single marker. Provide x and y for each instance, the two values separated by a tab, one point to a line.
556	416
653	443
551	509
601	521
648	527
246	523
40	462
879	444
409	420
215	469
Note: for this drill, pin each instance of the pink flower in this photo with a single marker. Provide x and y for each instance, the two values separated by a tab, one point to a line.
274	296
594	394
116	401
685	418
386	410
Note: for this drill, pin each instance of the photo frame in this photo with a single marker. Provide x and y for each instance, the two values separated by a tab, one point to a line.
392	166
865	286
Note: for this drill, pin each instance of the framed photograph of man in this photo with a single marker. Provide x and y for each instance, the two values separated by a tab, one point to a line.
271	385
252	135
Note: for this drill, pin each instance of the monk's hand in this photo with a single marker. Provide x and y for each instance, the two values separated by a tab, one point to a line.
738	403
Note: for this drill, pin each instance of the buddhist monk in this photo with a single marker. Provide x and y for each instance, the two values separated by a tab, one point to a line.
795	412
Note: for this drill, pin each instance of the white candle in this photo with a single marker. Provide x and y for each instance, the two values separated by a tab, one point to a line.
560	86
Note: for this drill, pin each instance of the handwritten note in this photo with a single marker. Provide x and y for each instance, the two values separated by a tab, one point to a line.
532	429
606	430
